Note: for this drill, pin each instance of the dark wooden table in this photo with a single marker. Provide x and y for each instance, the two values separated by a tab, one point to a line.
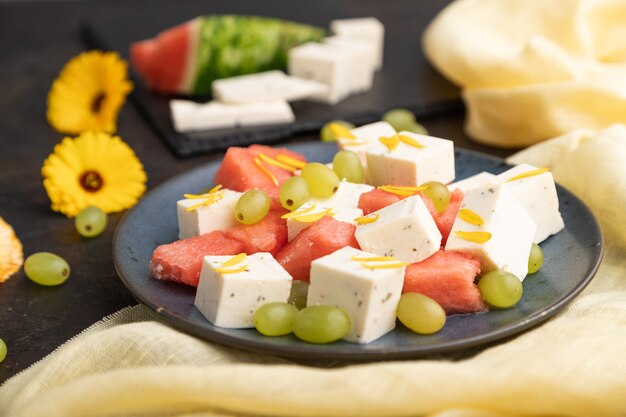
36	39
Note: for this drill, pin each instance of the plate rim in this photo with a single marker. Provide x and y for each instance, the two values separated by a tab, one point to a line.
313	351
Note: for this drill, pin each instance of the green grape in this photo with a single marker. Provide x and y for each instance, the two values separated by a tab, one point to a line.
399	119
347	164
91	222
323	182
275	319
535	260
500	289
46	268
294	192
420	313
322	324
416	128
3	350
327	135
252	207
299	292
438	194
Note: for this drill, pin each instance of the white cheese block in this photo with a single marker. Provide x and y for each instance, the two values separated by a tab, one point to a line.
295	225
363	54
347	196
370	296
217	215
537	194
230	299
365	137
191	116
368	29
511	230
366	49
472	182
404	230
265	86
409	165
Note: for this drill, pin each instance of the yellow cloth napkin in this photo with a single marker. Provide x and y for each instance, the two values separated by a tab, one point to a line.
533	69
131	364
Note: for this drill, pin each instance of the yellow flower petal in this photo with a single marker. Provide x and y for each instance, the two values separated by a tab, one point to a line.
11	256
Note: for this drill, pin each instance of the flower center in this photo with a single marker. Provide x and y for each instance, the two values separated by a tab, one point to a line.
91	181
96	104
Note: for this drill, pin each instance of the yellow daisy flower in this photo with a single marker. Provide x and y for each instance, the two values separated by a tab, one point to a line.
89	93
11	256
95	169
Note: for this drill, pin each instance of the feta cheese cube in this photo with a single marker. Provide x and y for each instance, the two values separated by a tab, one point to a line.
366	49
370	296
265	86
472	182
347	196
405	230
309	210
409	165
369	29
365	137
229	299
191	116
505	231
217	214
537	194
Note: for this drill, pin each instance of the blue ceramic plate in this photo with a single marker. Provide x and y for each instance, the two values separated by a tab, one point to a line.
571	260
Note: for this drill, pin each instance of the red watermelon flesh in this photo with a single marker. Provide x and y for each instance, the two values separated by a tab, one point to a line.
239	172
448	278
268	235
445	219
181	261
174	48
322	238
144	58
375	200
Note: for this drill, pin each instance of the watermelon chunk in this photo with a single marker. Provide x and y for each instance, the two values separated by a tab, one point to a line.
268	235
181	261
445	219
239	172
322	238
174	47
144	55
448	278
375	200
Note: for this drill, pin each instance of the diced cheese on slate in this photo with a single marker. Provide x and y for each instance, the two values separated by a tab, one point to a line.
366	49
369	29
217	215
472	182
511	230
295	225
404	230
333	66
364	58
189	116
347	196
408	165
265	86
370	296
537	194
230	299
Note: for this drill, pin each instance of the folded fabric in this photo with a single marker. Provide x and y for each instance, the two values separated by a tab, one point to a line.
134	365
533	69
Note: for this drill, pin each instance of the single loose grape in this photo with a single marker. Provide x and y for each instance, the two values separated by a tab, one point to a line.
299	293
252	207
416	128
327	135
535	260
347	164
91	222
322	324
275	319
46	268
399	119
420	313
3	350
500	289
438	193
294	192
323	181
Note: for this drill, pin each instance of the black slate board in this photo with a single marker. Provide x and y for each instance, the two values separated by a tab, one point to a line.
406	80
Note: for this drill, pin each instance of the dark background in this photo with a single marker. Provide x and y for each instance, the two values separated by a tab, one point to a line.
36	40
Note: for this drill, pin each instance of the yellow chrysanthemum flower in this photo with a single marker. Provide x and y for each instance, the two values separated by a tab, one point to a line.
11	256
89	93
95	169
